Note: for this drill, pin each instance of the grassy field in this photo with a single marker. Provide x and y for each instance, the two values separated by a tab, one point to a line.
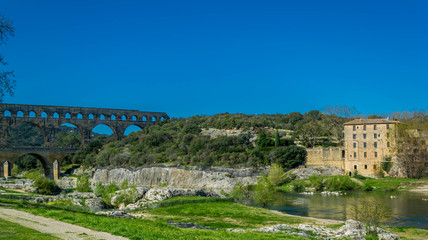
151	225
135	228
220	215
13	231
392	184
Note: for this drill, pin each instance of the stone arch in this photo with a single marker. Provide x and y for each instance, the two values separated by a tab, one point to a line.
67	115
115	133
7	113
134	118
153	119
20	114
144	119
132	128
55	115
43	115
113	117
79	128
79	116
34	135
32	114
45	163
91	116
124	117
102	117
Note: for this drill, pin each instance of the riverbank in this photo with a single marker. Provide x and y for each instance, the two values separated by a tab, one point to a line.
152	223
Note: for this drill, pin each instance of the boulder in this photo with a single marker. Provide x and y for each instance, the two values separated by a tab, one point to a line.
119	214
95	204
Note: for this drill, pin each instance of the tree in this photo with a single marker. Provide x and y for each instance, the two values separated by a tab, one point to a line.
263	192
410	146
289	156
7	81
341	111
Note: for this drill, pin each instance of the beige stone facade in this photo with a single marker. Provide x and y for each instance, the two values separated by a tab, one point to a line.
331	157
367	143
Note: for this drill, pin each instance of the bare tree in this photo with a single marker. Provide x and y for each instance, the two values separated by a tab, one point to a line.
7	81
411	147
341	111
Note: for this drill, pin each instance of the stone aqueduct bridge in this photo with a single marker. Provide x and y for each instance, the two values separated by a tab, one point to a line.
49	118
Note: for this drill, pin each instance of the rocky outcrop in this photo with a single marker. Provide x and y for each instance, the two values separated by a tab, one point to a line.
23	184
189	225
95	204
175	177
118	214
305	173
351	230
67	182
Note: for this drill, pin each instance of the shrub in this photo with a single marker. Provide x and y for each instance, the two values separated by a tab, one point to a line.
108	193
298	187
263	191
242	193
276	174
34	174
99	190
371	212
15	170
83	184
46	186
124	184
127	196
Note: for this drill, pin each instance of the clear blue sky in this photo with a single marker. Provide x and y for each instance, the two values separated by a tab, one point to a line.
206	57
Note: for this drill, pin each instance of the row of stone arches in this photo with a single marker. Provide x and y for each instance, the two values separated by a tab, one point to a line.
90	116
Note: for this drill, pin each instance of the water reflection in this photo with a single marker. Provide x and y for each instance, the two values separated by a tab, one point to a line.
408	208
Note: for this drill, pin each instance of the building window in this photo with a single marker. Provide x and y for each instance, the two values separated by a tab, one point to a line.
365	154
355	145
354	128
355	166
365	166
375	135
375	154
365	144
354	136
374	127
387	126
364	127
375	144
343	153
387	144
364	136
355	155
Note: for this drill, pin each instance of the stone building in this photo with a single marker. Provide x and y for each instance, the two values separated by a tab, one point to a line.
367	143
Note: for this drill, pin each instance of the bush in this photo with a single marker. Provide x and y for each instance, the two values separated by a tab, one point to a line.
108	193
371	212
99	190
263	192
15	170
46	186
298	187
242	193
276	175
83	184
34	174
127	196
288	157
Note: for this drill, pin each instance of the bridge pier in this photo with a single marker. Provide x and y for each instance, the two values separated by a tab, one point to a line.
6	169
55	170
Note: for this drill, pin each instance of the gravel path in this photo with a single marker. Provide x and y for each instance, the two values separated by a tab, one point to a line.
55	228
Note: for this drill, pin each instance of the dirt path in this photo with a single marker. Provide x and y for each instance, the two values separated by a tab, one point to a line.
55	228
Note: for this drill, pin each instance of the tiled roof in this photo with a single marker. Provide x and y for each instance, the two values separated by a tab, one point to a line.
370	121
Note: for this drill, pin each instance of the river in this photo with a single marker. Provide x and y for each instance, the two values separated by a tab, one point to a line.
407	208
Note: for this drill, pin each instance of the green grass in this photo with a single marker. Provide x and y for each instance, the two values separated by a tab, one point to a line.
392	184
341	183
220	215
409	232
135	228
14	231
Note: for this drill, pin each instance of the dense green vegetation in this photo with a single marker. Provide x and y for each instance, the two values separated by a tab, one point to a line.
14	231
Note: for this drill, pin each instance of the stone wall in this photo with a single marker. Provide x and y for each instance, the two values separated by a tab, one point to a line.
332	157
154	176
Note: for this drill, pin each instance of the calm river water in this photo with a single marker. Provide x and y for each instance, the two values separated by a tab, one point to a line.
408	208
